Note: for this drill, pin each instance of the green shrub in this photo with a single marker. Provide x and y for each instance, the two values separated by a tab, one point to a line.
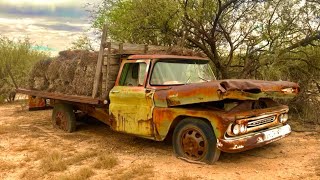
18	58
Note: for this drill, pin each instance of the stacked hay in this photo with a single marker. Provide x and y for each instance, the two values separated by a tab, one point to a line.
72	72
180	51
38	78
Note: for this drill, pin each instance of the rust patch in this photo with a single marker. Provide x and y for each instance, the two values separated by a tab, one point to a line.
256	86
224	89
131	110
247	142
164	117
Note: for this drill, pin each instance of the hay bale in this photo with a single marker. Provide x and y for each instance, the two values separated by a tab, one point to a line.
181	51
40	83
176	50
78	54
69	54
37	77
67	70
82	83
72	72
52	72
40	68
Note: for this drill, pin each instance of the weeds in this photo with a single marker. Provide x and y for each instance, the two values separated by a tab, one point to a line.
106	162
140	171
80	157
81	174
30	174
53	161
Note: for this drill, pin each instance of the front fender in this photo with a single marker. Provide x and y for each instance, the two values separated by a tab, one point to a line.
165	117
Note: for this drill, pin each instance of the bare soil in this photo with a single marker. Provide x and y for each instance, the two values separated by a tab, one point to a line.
31	149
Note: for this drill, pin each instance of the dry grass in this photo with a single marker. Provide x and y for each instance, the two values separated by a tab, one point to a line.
5	165
27	159
9	129
53	161
81	157
185	177
40	153
21	148
30	174
140	171
28	146
106	161
81	174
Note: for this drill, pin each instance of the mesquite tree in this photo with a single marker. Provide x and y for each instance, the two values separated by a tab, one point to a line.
239	36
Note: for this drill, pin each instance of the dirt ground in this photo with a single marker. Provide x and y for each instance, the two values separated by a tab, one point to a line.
31	149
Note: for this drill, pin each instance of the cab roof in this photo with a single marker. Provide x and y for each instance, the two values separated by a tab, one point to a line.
136	57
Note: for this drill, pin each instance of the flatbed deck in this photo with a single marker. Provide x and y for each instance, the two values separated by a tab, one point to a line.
60	96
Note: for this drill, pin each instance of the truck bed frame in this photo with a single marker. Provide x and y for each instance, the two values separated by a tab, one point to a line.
59	96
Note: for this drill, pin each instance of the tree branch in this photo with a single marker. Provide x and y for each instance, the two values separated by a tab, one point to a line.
304	42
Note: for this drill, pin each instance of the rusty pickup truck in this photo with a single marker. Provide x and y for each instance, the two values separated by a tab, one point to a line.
160	96
168	96
156	95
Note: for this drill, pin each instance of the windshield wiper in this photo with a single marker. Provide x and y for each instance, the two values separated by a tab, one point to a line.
187	82
199	76
206	80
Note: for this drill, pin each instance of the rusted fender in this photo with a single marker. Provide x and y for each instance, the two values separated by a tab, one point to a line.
164	117
220	120
249	84
223	89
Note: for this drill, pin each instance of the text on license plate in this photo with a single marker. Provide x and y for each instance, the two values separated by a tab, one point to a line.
268	135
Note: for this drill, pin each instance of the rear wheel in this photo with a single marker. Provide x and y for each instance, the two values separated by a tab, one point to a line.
63	117
194	140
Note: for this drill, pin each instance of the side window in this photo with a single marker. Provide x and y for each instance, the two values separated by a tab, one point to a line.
133	74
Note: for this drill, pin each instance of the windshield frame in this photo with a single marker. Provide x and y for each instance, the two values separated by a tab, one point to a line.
155	61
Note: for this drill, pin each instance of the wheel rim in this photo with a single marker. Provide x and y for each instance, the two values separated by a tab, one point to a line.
61	120
193	144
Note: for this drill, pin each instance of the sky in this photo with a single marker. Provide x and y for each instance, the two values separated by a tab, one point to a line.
51	24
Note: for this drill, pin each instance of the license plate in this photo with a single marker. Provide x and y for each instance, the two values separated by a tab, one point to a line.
275	133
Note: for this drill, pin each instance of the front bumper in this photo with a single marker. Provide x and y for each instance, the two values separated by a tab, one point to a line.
252	140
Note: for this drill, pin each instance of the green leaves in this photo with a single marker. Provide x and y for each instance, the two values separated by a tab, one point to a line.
19	57
245	34
140	21
82	43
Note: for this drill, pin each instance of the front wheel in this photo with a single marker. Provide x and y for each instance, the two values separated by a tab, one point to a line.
63	117
195	140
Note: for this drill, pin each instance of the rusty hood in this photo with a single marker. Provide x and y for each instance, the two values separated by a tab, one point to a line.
240	89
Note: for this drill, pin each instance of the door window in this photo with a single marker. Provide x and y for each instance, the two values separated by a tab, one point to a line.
133	74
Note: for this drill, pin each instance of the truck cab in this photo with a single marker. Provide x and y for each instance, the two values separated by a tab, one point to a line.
161	96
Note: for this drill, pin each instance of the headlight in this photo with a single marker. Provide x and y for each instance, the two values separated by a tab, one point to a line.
287	90
283	118
236	129
243	128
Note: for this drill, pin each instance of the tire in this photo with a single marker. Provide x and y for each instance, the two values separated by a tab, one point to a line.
194	140
63	117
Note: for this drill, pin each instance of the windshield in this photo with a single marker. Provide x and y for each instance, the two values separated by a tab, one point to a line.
181	72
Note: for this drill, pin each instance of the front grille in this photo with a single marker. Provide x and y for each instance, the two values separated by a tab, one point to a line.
259	122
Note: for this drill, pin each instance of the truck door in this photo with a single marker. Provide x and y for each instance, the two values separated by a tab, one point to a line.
130	103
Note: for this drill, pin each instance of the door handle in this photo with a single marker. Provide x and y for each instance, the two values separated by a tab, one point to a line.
115	91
